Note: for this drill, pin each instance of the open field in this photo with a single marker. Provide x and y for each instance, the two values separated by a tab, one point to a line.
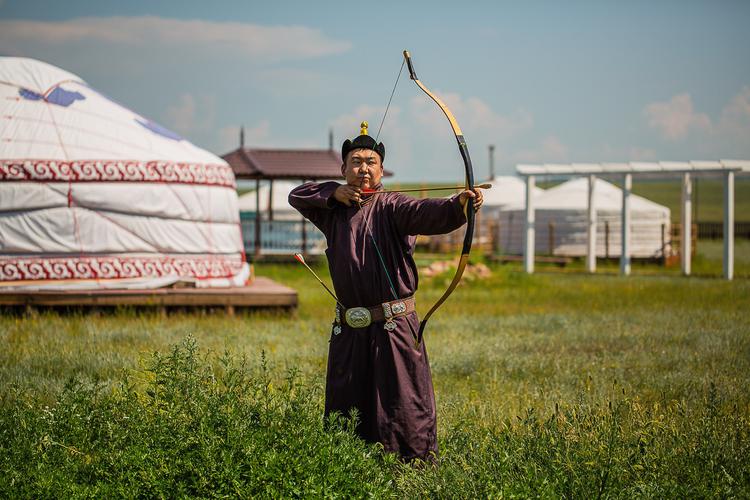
552	385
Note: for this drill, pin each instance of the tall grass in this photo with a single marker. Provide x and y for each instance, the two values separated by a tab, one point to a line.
188	426
550	385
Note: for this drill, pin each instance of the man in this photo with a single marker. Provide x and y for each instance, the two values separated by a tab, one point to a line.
374	363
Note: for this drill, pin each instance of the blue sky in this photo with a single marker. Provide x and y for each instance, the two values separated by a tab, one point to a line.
578	81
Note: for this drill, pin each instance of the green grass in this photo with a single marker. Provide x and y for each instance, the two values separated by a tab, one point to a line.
557	384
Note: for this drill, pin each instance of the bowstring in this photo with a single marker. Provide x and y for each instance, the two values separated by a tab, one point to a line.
389	100
365	217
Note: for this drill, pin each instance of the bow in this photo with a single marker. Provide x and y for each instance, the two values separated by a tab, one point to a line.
468	208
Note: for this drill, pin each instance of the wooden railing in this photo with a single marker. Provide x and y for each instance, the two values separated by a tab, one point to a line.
715	230
281	237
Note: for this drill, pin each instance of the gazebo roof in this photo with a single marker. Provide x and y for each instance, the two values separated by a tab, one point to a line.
308	164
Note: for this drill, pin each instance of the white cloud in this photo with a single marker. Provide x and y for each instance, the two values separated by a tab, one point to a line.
397	139
641	154
550	150
735	117
420	141
282	82
191	114
256	136
347	125
675	118
253	41
474	116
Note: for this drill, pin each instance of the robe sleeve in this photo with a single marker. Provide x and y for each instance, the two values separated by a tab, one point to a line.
315	202
427	216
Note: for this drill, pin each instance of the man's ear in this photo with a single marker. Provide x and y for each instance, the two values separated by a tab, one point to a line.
343	169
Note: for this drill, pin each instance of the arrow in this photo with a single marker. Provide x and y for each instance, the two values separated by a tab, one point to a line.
446	188
301	260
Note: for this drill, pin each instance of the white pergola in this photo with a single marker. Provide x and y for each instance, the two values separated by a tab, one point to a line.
626	171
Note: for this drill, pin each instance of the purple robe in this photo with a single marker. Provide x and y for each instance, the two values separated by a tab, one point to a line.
382	374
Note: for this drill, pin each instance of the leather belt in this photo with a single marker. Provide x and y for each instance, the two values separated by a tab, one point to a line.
362	317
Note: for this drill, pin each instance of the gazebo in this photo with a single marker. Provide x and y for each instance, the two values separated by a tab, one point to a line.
265	164
685	171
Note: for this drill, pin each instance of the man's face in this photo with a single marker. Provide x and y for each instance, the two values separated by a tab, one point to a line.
363	168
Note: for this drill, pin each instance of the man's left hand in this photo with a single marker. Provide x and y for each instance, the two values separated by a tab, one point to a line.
476	194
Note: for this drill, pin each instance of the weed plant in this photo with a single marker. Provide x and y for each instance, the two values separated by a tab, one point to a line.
551	385
187	426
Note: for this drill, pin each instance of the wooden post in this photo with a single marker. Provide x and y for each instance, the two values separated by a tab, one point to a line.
627	187
591	224
257	218
496	237
510	232
478	230
270	200
686	224
528	242
606	239
729	225
551	238
304	233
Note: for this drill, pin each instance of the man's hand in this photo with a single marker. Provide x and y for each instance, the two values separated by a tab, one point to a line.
347	194
476	194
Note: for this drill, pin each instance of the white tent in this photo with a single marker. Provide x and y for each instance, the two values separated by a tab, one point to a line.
93	195
507	190
561	222
282	210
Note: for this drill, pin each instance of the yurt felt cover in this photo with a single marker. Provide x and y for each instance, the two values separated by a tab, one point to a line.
95	195
561	222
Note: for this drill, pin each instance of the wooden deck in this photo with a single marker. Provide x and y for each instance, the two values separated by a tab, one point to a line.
261	293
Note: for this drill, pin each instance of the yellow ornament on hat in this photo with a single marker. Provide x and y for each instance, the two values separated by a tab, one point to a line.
363	128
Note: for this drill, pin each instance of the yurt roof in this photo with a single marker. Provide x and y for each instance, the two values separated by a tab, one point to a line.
507	190
78	122
573	194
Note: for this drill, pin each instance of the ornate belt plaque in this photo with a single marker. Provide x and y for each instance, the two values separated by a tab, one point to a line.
358	317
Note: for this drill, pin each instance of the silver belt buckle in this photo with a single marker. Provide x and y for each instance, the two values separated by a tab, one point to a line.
337	322
398	308
390	325
358	317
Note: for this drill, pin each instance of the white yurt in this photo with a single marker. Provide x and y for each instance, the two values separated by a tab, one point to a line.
272	200
561	215
94	195
506	190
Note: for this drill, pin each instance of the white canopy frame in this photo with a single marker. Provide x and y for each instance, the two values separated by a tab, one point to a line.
684	170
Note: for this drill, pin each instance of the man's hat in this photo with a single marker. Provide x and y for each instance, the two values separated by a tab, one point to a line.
364	141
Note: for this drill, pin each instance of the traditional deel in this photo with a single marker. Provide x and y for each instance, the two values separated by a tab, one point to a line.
377	368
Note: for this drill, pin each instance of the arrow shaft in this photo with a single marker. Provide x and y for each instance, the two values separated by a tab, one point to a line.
411	190
301	260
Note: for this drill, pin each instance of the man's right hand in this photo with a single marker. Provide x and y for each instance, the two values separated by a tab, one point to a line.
347	194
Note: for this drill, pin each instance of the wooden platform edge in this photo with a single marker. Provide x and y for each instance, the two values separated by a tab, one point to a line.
263	292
